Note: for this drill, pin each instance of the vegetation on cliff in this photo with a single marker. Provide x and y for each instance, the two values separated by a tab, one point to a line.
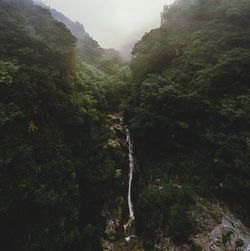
55	162
187	106
189	114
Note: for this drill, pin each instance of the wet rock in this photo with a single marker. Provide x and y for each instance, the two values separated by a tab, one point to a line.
113	218
118	173
230	235
164	243
218	230
107	245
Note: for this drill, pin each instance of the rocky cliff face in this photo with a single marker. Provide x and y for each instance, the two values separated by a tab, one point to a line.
231	234
115	212
217	228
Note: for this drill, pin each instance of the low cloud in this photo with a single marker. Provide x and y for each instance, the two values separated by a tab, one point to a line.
113	23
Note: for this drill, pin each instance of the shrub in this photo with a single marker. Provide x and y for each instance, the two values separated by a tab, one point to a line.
180	224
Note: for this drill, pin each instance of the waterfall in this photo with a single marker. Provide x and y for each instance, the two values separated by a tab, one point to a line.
248	248
131	171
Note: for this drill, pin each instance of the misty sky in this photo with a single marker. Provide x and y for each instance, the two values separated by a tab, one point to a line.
113	23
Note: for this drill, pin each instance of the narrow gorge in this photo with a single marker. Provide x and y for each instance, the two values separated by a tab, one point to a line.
147	152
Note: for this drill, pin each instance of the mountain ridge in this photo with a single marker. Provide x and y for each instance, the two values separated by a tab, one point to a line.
89	49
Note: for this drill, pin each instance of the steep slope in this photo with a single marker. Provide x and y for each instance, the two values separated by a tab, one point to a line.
64	159
189	115
89	50
37	179
56	167
76	28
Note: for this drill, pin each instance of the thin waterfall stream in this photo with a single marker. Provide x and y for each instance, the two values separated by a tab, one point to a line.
131	172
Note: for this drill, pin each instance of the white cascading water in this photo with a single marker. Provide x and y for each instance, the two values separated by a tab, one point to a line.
131	171
248	248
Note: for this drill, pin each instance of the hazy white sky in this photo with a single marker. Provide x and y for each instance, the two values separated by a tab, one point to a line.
113	23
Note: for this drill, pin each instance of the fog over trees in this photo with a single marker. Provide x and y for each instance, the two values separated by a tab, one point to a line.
150	153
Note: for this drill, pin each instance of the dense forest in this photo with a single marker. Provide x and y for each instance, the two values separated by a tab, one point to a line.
54	128
184	96
189	114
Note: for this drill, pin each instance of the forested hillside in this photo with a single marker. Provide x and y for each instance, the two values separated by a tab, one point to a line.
54	127
189	114
63	157
88	50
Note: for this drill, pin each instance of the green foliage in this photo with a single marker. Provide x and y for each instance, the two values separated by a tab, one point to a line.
195	247
164	209
7	72
239	243
54	163
180	224
189	115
